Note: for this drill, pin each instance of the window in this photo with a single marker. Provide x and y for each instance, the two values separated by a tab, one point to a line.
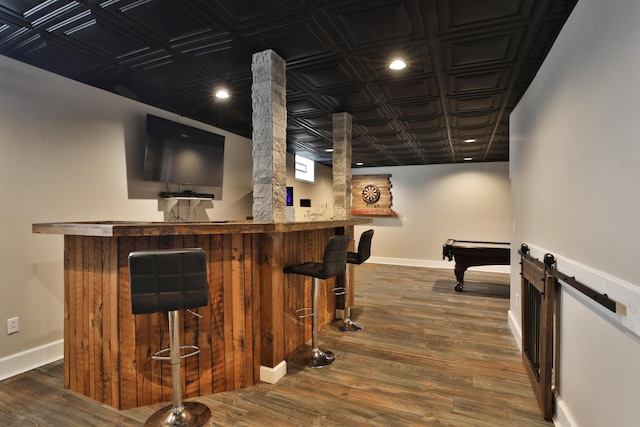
304	169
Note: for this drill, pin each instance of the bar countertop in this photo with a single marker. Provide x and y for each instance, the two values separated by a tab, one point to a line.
135	228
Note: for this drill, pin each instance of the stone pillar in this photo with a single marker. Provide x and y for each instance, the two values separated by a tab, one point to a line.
269	117
341	166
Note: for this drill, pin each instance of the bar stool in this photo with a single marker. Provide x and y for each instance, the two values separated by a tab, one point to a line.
334	263
346	325
165	281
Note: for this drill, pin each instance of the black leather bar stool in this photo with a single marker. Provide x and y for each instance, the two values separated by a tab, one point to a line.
334	263
364	252
165	281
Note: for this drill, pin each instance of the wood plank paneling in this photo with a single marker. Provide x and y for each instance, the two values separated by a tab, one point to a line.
89	344
108	349
256	330
203	338
127	327
270	253
238	319
380	207
69	304
227	292
110	327
216	290
98	383
76	314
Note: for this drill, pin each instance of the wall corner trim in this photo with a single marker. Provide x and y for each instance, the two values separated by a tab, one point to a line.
273	375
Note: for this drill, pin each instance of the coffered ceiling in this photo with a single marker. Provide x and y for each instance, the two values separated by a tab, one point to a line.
469	62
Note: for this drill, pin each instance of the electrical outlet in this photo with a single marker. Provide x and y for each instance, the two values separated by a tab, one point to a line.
13	325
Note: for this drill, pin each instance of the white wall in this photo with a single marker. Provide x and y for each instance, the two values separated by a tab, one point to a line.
465	201
68	152
320	192
574	170
66	155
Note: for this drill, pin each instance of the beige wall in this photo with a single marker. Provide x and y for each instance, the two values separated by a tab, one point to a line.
64	155
466	201
320	193
574	169
68	152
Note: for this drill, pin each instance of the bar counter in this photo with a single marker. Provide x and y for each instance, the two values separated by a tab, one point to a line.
249	322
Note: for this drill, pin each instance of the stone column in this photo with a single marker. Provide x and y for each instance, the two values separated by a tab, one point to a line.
269	117
341	166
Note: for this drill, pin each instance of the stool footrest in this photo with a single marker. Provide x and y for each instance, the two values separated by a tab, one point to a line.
195	348
308	312
339	290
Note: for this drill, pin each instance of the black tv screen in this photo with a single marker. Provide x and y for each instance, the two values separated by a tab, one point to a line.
289	196
181	154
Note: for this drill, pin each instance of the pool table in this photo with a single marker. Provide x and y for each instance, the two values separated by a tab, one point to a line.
469	253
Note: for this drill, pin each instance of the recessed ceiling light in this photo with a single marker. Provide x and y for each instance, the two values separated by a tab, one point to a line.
397	64
470	140
466	159
222	94
359	163
329	150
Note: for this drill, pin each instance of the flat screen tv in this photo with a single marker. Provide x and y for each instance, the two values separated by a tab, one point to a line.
180	154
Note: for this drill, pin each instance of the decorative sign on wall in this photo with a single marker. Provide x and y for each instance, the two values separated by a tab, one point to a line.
371	195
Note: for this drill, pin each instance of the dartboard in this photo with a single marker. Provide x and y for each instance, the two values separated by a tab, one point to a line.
370	194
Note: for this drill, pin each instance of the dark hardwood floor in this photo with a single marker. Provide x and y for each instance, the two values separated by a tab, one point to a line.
428	356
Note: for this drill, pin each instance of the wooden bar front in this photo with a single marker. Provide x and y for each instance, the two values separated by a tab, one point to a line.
249	321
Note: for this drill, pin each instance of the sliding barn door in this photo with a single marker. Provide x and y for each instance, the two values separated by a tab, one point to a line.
538	304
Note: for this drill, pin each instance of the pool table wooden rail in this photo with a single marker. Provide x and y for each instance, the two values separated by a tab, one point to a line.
470	253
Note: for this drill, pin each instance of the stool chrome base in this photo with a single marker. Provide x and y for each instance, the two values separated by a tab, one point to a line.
191	414
313	357
346	325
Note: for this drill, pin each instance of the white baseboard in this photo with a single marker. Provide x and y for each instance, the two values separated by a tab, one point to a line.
563	417
39	356
449	265
30	359
272	375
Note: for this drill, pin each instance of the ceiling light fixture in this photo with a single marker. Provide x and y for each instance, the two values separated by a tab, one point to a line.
397	64
222	94
359	163
329	150
470	140
466	159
